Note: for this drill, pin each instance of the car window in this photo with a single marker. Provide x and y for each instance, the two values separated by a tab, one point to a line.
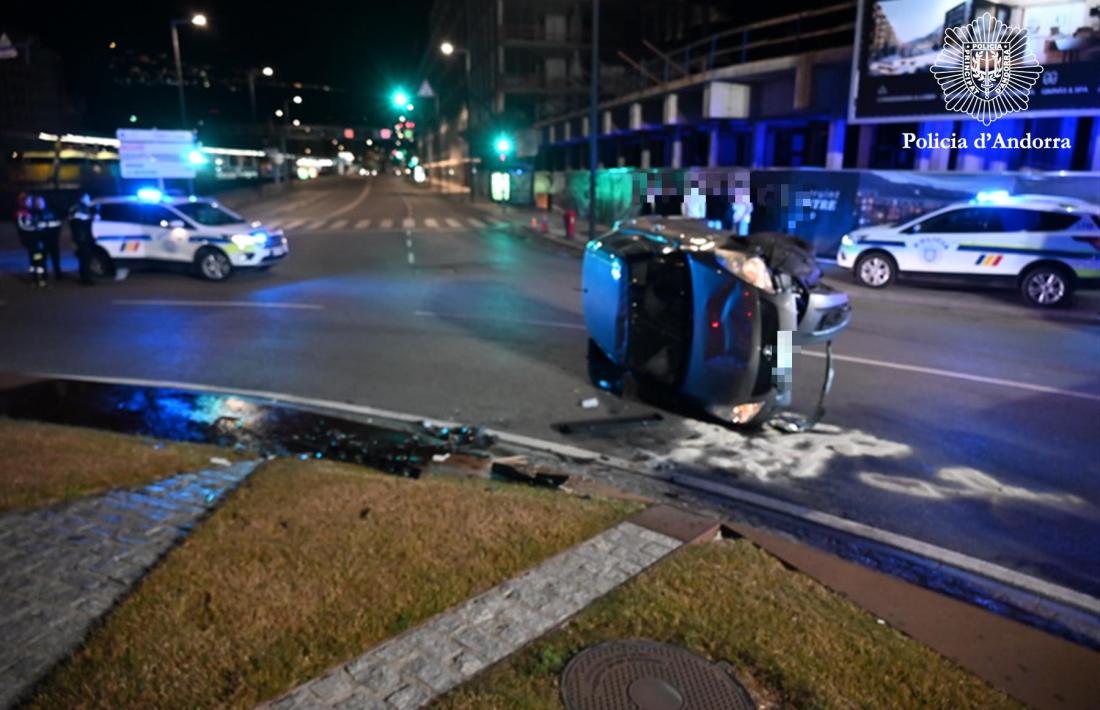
968	219
118	212
208	214
1015	219
155	216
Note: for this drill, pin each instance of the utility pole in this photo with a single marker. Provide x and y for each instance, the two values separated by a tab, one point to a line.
593	120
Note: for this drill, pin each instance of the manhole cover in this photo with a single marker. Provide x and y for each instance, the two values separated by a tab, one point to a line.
646	675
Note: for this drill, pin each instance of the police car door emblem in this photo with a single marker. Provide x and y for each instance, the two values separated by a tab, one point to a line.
986	69
930	248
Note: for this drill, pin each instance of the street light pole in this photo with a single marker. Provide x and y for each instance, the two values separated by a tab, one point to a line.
593	120
198	21
448	49
179	71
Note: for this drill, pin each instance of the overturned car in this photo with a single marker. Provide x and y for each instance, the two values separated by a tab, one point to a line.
711	319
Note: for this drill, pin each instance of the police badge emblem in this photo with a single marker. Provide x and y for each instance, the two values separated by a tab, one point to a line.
986	69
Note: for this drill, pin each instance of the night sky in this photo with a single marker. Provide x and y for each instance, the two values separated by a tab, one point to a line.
362	47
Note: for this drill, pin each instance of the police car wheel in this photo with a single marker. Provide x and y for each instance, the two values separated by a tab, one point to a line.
213	264
875	270
101	264
1046	287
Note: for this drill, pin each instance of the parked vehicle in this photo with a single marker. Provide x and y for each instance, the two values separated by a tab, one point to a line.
191	231
1043	245
710	318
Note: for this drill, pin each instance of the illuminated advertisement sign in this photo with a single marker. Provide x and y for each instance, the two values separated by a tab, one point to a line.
899	53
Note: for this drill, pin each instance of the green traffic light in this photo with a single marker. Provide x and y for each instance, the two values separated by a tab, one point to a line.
503	144
400	98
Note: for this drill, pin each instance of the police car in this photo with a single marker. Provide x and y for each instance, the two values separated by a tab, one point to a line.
190	231
1044	245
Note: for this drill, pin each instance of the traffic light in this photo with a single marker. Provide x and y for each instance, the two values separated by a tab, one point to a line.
400	98
503	146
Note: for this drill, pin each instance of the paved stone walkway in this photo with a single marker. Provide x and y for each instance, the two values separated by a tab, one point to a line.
63	567
410	670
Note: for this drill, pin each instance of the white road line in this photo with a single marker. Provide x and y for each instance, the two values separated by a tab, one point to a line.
958	376
431	223
453	223
354	203
524	321
987	569
294	224
338	224
412	258
217	304
409	243
475	222
386	224
315	225
408	223
362	224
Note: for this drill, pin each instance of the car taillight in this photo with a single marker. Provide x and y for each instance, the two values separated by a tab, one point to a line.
1094	241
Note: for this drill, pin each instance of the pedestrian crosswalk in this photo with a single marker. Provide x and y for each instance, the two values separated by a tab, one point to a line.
381	225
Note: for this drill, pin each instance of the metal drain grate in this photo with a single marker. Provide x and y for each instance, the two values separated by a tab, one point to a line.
647	675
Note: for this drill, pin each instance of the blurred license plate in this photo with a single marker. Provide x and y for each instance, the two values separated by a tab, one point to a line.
278	251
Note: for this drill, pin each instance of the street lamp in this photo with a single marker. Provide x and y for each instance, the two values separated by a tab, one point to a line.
447	49
297	99
198	21
266	71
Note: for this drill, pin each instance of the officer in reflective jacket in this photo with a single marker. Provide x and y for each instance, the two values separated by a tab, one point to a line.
80	226
49	228
26	222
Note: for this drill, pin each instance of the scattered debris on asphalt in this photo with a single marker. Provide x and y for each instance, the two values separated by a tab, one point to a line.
592	425
519	469
219	461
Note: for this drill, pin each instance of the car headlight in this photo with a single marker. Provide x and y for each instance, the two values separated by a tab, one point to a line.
847	240
750	269
246	241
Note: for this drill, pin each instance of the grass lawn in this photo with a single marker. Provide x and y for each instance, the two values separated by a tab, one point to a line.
306	565
793	642
44	463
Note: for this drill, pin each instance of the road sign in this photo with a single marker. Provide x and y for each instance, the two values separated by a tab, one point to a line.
425	90
145	153
7	49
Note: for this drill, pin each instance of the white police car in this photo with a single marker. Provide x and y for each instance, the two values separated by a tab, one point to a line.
195	232
1044	245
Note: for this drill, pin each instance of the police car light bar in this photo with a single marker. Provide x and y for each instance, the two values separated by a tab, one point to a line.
992	196
150	194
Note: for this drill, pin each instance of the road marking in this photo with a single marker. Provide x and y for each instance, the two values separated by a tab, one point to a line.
431	223
475	222
524	321
453	223
924	550
294	224
958	375
408	223
315	225
354	203
339	224
362	224
409	243
412	258
217	304
386	224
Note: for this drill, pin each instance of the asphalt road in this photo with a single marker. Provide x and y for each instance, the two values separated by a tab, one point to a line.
977	429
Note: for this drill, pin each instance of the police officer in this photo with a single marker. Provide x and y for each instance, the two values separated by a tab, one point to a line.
49	227
80	226
26	222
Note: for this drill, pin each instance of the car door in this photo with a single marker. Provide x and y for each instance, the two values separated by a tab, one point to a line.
118	230
945	243
163	230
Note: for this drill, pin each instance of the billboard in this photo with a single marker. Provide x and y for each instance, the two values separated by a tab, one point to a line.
150	153
898	41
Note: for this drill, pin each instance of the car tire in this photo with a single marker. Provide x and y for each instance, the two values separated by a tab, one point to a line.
101	264
1047	286
213	264
875	269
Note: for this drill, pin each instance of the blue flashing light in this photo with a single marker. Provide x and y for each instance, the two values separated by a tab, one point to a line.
196	158
150	194
616	270
996	197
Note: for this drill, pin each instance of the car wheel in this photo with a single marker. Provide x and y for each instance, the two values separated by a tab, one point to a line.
213	264
1047	286
101	265
875	270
